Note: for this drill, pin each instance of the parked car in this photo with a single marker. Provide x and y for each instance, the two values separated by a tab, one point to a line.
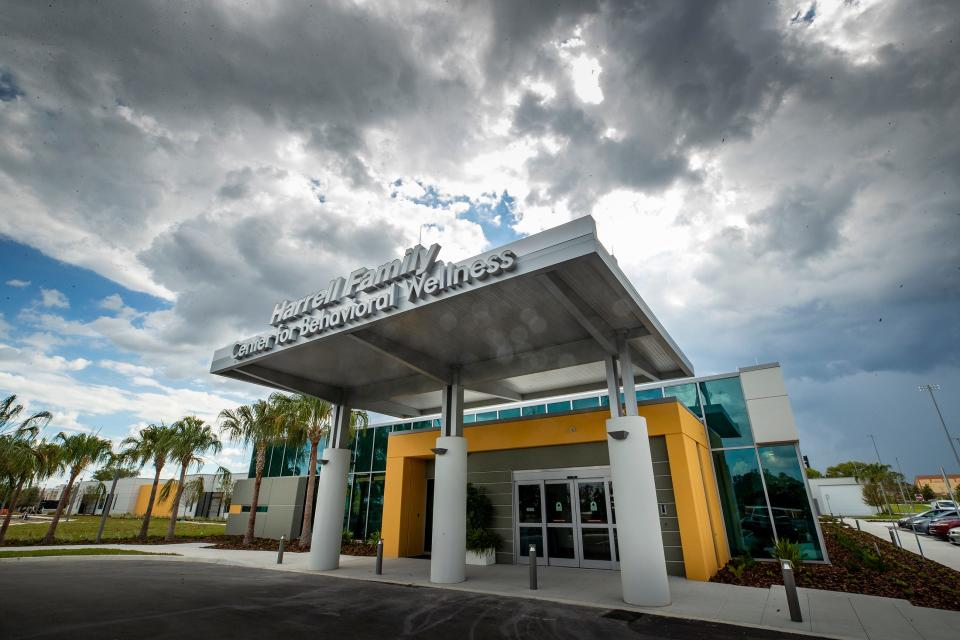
943	504
954	535
906	523
940	528
923	525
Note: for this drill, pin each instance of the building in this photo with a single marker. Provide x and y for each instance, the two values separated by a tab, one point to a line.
712	505
501	370
839	497
937	484
132	496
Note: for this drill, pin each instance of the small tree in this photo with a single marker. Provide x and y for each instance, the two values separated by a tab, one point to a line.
813	473
873	495
152	445
927	492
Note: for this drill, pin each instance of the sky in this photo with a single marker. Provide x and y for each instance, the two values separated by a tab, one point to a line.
778	180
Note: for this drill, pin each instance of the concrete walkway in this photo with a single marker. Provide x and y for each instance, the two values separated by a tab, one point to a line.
933	549
825	613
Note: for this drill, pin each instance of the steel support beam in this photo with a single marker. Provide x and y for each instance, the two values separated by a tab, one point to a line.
497	389
278	379
419	362
451	411
613	387
626	377
340	429
582	313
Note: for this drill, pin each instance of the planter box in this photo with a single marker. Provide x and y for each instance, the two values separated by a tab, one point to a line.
482	558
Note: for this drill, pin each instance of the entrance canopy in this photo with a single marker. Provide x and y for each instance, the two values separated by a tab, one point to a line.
534	318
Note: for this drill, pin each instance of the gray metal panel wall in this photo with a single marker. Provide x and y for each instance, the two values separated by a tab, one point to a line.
283	498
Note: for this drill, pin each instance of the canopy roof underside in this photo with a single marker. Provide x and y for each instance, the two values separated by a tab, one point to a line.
541	330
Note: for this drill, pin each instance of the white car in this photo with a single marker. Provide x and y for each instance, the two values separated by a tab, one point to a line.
943	504
954	535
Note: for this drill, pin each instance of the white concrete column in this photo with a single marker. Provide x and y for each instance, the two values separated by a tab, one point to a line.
643	568
328	516
448	555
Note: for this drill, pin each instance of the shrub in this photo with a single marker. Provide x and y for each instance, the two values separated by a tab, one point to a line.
346	536
787	550
479	518
479	540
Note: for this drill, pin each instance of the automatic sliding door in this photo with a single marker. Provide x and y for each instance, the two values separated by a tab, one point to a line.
530	521
561	532
596	537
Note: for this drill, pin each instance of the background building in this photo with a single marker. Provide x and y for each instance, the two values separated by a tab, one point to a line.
132	496
937	484
840	497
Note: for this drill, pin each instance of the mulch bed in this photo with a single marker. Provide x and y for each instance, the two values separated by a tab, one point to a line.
266	544
855	568
157	540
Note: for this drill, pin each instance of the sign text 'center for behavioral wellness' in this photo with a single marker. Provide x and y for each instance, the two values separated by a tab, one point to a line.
367	292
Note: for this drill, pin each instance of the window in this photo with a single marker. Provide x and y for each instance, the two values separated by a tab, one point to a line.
486	416
375	516
792	517
686	394
744	505
381	437
649	394
586	403
505	414
558	407
363	449
726	413
469	418
357	514
535	410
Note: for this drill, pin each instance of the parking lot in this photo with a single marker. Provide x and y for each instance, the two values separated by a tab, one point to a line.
933	548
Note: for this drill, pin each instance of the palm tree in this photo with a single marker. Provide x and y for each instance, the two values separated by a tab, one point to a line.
257	425
152	445
10	412
17	464
26	461
309	420
191	441
77	452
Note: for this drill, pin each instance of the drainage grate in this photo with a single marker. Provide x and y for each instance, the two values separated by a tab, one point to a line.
622	614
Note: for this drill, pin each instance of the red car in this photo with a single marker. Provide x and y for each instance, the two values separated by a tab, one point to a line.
942	527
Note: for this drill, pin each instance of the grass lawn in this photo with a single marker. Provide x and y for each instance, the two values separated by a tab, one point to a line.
38	553
84	529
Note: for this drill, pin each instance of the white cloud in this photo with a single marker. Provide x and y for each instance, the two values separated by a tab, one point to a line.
20	284
53	298
126	368
4	327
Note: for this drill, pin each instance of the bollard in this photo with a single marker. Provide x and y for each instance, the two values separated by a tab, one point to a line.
379	557
790	586
532	554
858	525
914	527
893	538
280	550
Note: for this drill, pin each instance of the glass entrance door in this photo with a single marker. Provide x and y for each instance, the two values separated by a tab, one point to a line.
570	520
561	526
530	520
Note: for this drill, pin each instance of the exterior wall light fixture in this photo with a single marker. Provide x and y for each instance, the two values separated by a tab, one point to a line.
439	450
618	435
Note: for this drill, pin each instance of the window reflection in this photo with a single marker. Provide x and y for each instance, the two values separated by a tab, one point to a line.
744	504
726	413
792	516
686	394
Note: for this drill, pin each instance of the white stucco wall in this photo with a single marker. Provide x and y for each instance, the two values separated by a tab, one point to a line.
839	496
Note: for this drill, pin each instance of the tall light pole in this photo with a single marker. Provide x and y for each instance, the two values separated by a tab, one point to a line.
930	388
901	481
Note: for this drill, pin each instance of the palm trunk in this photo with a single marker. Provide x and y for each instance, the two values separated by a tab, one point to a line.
252	519
64	501
306	528
176	505
153	495
107	505
11	507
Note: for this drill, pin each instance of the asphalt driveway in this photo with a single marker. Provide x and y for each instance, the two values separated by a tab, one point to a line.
108	598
